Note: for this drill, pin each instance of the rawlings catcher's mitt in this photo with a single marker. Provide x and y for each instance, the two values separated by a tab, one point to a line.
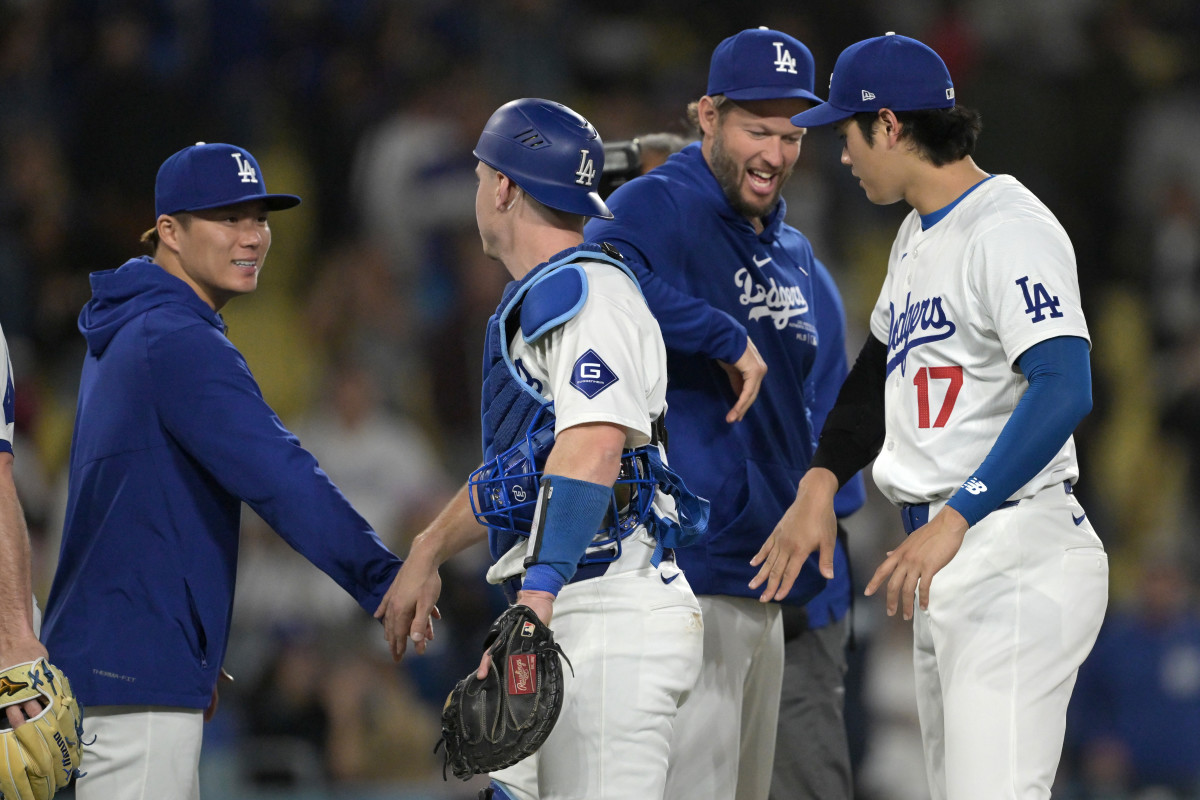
42	755
494	723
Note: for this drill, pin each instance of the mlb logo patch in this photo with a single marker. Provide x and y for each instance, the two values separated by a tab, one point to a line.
522	673
591	375
527	629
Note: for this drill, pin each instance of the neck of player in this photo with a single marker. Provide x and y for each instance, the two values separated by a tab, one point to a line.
934	188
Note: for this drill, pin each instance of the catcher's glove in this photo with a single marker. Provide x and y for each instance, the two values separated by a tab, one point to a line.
42	755
494	723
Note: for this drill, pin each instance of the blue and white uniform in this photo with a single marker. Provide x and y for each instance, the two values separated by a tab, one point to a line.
710	280
631	626
972	292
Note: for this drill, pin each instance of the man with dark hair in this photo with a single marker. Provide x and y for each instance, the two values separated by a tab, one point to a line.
727	277
171	436
968	389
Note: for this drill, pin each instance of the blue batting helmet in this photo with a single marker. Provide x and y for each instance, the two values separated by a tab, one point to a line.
548	150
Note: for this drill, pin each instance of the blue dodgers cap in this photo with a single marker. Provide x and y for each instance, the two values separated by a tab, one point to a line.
212	176
888	71
762	64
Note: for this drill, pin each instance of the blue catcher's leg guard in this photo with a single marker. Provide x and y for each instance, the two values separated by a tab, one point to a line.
495	792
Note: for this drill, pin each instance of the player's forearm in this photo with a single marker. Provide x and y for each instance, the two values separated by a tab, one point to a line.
16	603
16	590
453	530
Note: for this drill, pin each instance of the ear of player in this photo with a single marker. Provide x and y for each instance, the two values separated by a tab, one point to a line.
494	723
42	755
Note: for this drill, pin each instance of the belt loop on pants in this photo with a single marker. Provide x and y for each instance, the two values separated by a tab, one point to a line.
914	515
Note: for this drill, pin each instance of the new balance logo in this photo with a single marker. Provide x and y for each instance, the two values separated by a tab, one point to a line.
975	486
784	61
245	169
587	169
1039	300
868	95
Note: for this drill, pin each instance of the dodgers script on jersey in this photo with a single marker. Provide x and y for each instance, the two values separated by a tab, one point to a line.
961	302
594	367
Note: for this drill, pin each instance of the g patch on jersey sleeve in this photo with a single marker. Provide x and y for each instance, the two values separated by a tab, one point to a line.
591	375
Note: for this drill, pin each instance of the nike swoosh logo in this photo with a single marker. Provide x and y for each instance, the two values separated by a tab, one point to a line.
665	579
1079	519
758	263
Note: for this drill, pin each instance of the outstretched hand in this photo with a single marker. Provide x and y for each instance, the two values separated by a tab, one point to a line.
409	607
809	524
918	558
746	377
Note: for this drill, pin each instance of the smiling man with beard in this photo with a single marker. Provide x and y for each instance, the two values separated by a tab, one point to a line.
735	290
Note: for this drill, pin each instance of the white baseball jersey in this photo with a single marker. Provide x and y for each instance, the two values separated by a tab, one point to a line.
606	364
635	634
961	302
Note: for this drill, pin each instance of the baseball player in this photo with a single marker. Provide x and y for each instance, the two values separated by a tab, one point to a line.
171	436
728	279
20	617
968	389
574	394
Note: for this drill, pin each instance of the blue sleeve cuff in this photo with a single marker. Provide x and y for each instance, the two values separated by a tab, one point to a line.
543	578
569	513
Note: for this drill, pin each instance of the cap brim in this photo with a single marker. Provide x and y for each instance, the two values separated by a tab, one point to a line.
769	93
275	202
824	114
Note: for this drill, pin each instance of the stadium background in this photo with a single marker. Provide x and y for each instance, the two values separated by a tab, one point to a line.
366	329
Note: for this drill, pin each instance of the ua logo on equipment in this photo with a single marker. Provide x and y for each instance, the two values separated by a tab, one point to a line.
1039	301
245	170
975	486
587	169
784	62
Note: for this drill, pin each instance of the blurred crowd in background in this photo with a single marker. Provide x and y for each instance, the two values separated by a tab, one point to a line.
366	331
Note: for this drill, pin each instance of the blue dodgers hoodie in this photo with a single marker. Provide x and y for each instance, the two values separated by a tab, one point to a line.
171	434
709	278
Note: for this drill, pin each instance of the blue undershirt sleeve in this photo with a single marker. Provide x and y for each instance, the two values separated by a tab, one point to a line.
1058	398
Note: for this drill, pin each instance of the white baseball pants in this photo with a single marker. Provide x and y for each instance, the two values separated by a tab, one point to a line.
1010	619
724	744
634	639
141	753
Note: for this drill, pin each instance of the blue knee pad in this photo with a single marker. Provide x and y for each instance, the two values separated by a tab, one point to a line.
495	792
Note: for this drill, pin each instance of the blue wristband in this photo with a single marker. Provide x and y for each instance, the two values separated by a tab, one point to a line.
543	578
568	515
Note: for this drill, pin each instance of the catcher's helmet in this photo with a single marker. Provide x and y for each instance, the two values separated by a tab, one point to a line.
549	151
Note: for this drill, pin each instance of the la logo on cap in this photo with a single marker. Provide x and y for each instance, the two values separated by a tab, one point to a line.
784	60
245	169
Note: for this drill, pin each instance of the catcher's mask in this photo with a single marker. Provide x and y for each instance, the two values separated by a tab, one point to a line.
504	490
